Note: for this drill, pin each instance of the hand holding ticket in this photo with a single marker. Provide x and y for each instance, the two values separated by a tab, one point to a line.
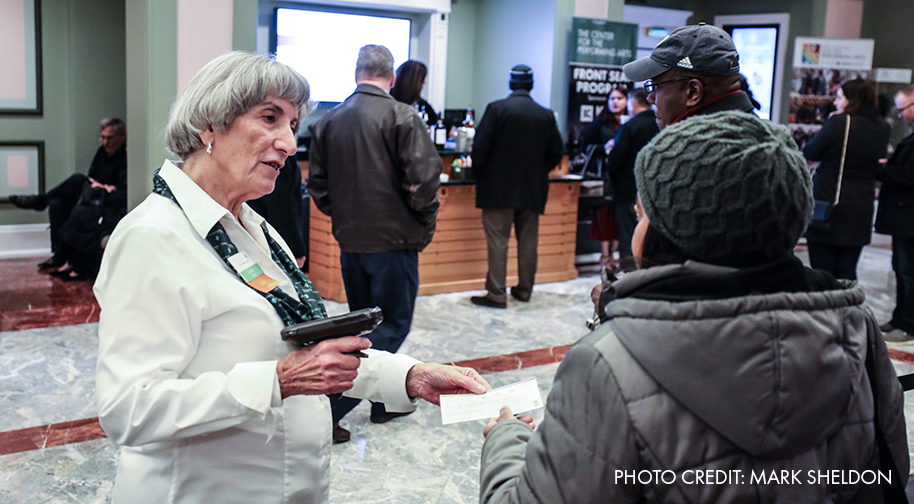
521	396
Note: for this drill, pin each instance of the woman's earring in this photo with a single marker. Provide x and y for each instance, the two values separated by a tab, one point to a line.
209	148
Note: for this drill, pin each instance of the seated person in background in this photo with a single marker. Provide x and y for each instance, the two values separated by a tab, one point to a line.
107	172
724	352
282	208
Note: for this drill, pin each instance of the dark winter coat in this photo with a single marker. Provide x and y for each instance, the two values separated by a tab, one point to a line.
896	199
852	218
517	144
620	165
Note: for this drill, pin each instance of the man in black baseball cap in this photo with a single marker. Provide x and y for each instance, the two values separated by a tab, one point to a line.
693	71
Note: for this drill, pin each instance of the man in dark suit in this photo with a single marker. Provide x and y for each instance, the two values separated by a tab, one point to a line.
620	168
517	143
896	217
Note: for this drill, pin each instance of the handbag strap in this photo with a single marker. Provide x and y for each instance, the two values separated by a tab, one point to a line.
847	131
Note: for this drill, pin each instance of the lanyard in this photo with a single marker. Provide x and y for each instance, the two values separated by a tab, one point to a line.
290	310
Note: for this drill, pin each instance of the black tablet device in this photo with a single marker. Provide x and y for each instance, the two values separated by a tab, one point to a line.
350	324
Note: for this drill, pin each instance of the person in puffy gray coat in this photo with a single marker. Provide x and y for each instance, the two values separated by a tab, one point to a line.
725	370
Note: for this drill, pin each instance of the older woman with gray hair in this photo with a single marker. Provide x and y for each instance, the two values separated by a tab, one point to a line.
194	382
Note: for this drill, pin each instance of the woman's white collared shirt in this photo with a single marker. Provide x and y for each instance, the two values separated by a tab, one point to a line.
186	375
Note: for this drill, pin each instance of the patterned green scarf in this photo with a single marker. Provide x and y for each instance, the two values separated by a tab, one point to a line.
289	309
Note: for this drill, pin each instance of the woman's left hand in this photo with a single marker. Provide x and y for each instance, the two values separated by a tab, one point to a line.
430	380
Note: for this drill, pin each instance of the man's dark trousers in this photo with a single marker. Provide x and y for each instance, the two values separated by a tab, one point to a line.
390	281
903	264
497	224
62	200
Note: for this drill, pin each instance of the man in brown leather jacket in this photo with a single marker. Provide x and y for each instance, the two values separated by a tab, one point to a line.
374	171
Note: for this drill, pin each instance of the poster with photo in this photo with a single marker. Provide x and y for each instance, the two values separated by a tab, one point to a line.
588	91
597	52
820	66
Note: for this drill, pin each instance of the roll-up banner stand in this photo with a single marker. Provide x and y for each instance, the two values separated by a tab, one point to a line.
597	51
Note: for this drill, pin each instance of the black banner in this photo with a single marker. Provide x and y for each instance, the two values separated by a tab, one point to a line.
588	90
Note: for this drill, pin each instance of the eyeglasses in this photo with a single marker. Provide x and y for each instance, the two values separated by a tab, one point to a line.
651	86
900	110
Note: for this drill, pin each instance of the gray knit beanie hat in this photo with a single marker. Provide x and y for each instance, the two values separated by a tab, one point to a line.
726	188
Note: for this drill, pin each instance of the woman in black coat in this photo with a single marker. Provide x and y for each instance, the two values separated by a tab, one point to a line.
837	249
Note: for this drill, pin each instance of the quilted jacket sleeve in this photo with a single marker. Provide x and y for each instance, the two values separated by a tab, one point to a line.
891	401
574	455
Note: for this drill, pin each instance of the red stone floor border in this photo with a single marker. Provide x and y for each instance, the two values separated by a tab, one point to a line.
519	360
901	356
88	429
47	436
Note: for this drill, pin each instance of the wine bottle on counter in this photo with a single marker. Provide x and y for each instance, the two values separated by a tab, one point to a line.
439	134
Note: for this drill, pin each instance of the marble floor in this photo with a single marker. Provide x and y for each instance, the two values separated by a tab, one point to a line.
30	298
52	450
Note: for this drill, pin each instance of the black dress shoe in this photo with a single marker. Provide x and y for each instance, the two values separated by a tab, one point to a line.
519	297
340	435
485	301
37	202
386	417
53	262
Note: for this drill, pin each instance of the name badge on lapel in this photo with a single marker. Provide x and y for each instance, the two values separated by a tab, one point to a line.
252	273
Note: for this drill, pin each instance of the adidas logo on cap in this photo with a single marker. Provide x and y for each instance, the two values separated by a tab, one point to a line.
685	63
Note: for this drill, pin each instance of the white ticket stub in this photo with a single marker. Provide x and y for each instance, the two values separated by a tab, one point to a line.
520	397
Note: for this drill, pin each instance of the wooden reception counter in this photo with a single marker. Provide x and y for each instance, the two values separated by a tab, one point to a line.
456	258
